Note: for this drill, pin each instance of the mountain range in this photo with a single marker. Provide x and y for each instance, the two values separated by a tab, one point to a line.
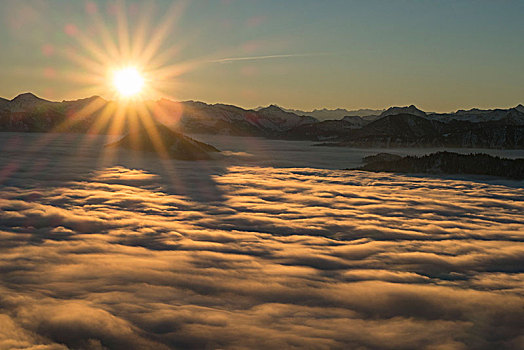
330	114
395	127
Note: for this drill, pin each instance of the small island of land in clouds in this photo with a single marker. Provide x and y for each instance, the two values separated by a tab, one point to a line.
447	163
165	143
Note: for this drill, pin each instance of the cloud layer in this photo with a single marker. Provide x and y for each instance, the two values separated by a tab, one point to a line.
159	255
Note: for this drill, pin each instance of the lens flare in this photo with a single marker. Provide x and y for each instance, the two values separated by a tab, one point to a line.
128	81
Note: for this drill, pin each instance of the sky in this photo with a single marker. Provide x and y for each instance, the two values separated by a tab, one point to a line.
439	55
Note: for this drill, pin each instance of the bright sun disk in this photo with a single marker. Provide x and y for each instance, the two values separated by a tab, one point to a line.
128	81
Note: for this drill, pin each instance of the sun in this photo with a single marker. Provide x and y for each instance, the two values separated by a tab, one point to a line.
128	81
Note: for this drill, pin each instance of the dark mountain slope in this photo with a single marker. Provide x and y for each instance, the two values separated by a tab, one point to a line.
3	102
447	163
404	130
394	130
165	142
199	117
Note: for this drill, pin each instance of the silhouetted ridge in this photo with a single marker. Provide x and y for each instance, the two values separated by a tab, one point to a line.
403	110
165	142
447	163
395	127
27	97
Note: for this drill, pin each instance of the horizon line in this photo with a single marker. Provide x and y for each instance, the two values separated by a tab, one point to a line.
265	106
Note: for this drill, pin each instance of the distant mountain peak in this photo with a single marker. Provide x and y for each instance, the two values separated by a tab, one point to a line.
94	98
333	114
25	101
330	110
27	96
520	108
411	109
273	108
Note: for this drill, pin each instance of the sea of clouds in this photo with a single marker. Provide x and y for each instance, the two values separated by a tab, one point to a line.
100	250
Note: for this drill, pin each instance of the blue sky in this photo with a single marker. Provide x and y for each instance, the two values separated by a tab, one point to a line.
439	55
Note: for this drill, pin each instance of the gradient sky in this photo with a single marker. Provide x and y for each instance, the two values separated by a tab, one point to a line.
439	55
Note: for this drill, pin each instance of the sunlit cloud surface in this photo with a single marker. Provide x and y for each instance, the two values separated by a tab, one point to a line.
134	254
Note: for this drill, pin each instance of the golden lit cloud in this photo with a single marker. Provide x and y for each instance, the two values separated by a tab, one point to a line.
252	256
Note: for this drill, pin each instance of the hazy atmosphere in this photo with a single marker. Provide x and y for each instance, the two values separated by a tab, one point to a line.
304	54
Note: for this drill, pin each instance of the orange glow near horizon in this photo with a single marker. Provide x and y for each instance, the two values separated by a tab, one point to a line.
124	61
129	65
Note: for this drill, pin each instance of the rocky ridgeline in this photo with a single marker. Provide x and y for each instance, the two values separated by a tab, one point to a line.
394	127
